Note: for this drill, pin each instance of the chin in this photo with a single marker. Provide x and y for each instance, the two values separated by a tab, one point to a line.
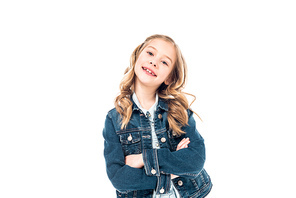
148	82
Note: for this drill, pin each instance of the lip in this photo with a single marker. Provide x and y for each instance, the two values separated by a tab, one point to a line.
150	74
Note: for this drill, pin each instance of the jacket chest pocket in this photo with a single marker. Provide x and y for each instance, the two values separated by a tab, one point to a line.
131	143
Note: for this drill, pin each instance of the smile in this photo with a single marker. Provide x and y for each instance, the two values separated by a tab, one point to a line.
149	71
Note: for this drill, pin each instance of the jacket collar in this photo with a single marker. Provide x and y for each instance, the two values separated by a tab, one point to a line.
162	104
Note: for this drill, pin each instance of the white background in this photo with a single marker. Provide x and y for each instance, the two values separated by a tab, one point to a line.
62	61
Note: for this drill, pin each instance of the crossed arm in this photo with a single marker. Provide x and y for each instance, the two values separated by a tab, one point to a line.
189	160
136	160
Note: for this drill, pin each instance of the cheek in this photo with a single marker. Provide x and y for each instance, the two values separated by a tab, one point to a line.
141	57
164	73
138	67
139	61
167	71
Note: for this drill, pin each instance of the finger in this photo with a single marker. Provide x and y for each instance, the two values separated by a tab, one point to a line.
179	146
183	144
183	141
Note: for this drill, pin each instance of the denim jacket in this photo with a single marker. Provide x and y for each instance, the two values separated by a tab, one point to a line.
159	164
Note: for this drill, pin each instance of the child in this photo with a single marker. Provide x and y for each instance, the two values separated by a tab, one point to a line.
152	147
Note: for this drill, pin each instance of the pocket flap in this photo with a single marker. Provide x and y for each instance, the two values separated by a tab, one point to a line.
130	138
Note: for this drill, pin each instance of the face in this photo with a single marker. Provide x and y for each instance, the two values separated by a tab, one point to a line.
155	63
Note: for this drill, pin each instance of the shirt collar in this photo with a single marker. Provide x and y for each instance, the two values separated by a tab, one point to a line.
137	102
159	103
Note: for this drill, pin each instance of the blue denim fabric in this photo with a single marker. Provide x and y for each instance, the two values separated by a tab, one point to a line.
155	144
193	180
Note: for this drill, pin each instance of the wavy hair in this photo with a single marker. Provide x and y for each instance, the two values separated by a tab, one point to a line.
172	93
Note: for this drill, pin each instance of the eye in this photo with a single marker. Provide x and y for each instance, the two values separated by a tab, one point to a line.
150	53
165	63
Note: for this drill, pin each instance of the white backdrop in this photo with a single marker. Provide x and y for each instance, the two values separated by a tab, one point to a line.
62	61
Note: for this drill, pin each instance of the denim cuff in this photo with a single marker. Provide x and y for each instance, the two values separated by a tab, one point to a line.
151	162
163	184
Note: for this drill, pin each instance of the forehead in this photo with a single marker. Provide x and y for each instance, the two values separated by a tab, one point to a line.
163	47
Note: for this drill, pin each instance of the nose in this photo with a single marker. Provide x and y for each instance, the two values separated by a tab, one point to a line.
152	63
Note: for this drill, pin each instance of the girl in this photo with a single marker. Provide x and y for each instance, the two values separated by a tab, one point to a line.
152	147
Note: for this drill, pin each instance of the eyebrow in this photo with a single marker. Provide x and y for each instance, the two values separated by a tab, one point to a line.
157	50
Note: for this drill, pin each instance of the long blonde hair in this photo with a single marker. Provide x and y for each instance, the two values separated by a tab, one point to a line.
172	93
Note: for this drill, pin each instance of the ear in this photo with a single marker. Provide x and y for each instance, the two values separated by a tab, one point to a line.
167	81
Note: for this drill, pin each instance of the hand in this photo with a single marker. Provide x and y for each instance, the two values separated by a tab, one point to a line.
135	160
183	144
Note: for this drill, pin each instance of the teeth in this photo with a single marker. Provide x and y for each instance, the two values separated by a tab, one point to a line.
150	72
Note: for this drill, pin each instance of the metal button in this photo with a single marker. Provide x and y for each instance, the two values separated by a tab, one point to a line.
153	171
159	116
161	190
180	183
157	144
130	138
163	140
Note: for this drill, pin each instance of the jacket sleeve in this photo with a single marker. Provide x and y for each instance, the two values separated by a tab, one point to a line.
123	177
186	162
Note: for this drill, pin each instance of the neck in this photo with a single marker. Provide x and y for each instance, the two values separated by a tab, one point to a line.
145	95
